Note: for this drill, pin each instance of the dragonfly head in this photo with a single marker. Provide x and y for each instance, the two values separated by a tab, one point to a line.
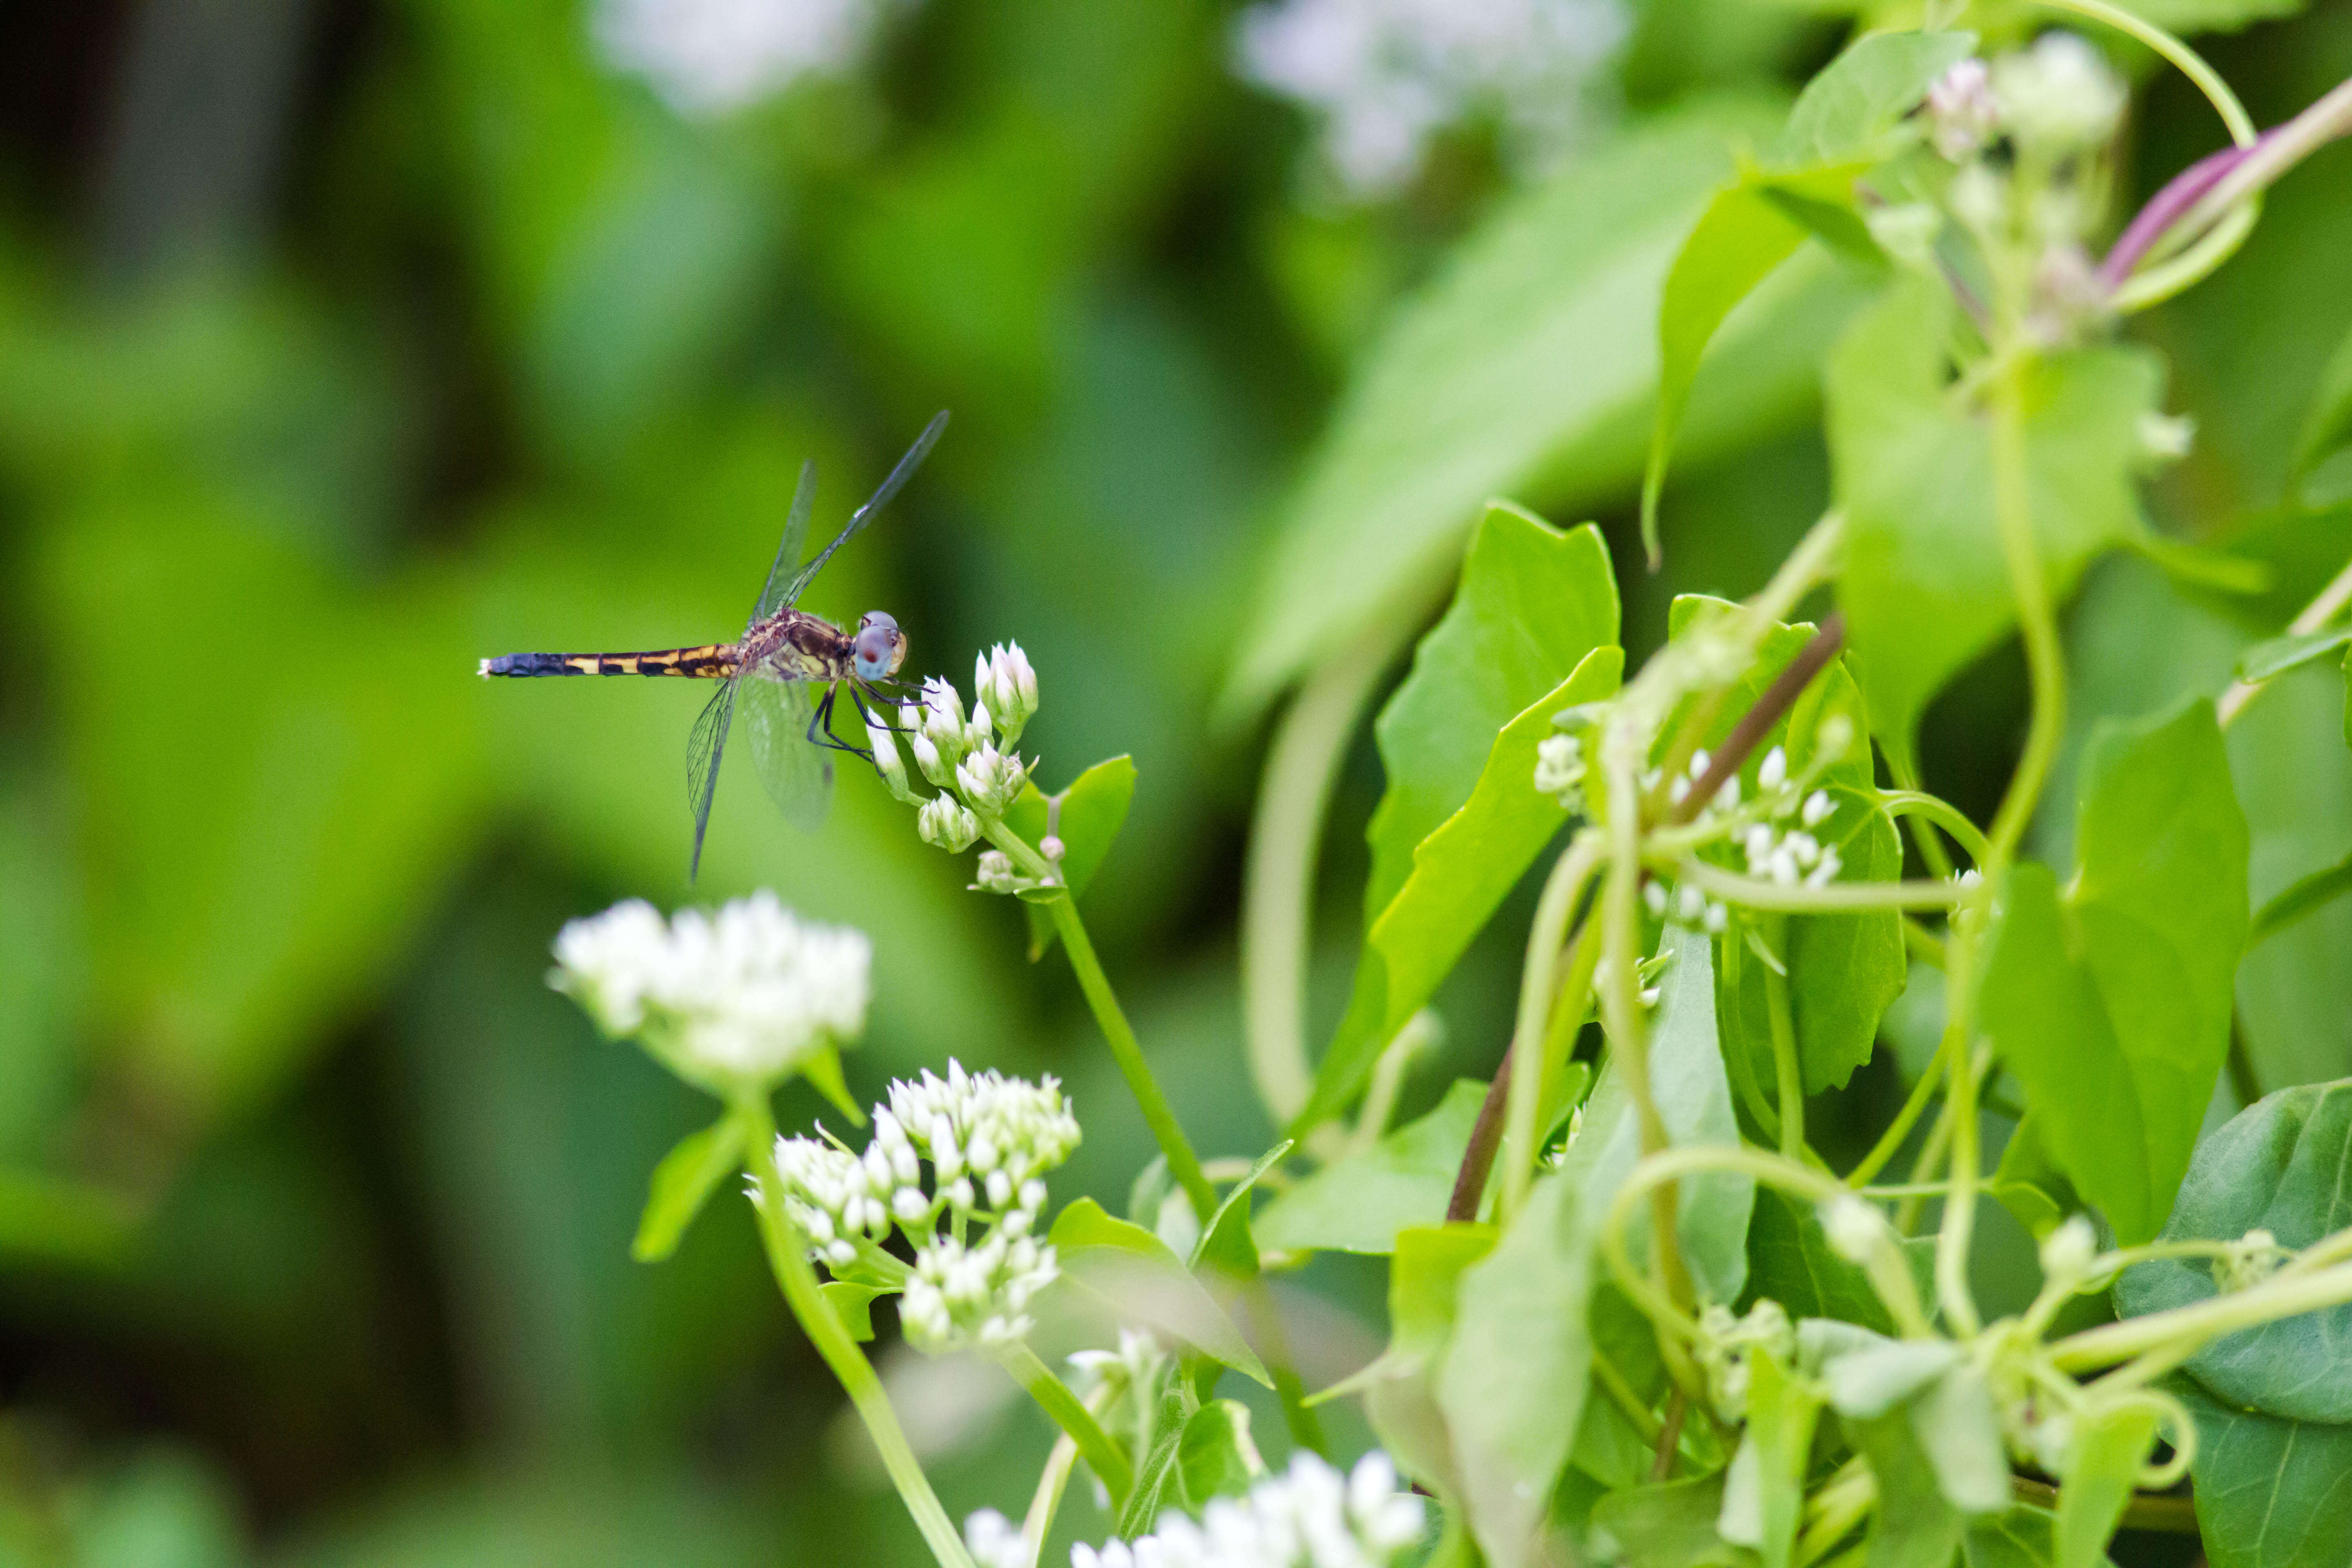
879	648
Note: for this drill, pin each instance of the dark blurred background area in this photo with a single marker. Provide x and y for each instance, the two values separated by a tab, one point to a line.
343	343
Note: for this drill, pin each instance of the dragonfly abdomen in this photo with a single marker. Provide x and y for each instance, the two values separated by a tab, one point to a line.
712	661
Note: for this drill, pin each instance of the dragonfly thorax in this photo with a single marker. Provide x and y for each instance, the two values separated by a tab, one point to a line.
879	648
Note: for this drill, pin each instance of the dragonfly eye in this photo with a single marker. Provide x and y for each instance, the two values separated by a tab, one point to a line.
878	647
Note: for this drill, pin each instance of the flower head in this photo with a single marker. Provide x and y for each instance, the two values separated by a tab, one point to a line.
973	1297
710	57
2059	97
989	1141
1002	679
1310	1516
1963	114
995	1541
739	998
1385	75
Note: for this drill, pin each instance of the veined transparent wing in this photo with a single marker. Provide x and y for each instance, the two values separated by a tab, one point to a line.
796	771
703	749
779	591
864	514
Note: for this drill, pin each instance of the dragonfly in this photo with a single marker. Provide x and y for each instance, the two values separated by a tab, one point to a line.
784	673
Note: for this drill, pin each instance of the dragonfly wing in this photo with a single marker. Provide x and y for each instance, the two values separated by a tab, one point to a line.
779	590
797	772
703	747
864	514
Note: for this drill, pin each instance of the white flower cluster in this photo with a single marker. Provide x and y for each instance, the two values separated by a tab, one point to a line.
1309	1517
707	57
1385	75
973	760
1725	1341
1690	907
2250	1260
2059	97
731	1000
989	1141
2056	104
1131	1366
994	1541
2055	99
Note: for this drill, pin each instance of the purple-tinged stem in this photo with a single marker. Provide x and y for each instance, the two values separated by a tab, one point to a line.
2165	209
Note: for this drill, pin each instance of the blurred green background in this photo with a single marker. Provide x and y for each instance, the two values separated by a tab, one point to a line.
345	342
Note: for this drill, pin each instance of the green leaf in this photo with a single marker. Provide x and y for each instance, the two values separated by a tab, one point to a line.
1159	1476
1533	355
822	1070
1670	1525
1693	1096
1913	1526
1608	1447
1225	1243
2327	425
2020	1536
1534	602
853	1304
1925	586
1854	107
2103	1466
1399	1388
1359	1201
1742	237
2270	1493
2029	1184
1790	1260
2279	655
1461	872
2284	1165
1133	1270
1958	1429
1215	1454
1512	1398
1764	1491
1092	810
683	1182
2299	898
2112	1004
1534	606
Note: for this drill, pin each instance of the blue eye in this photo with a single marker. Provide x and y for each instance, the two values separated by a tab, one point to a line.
876	651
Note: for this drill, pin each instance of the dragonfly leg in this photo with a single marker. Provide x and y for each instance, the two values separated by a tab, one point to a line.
821	720
868	714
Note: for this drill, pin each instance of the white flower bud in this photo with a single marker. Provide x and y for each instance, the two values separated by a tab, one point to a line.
2165	437
1963	111
886	761
1052	847
2058	96
2068	1252
995	873
1818	808
1653	894
1774	770
1559	764
945	822
1856	1230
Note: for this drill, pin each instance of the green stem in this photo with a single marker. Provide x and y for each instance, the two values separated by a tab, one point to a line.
788	1259
1786	1068
2281	1295
1831	899
1545	938
1278	880
1047	1499
1069	1413
2037	621
1906	775
1943	814
1183	1164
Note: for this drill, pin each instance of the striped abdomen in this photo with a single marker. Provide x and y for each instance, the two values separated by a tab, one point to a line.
712	661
